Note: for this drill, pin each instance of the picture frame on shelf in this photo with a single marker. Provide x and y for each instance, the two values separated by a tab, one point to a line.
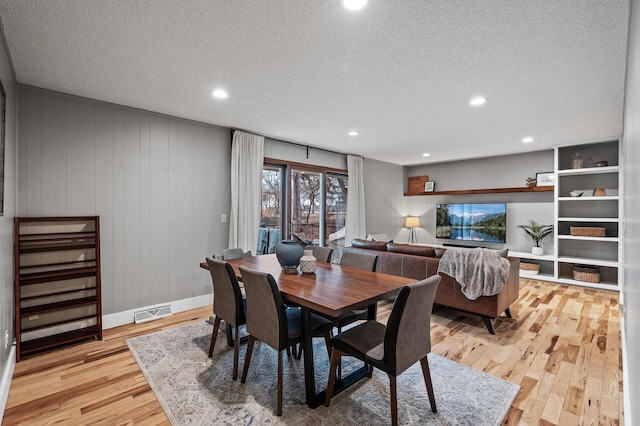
429	186
545	179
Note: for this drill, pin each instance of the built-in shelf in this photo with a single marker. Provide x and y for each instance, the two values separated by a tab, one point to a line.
485	191
529	255
589	171
574	237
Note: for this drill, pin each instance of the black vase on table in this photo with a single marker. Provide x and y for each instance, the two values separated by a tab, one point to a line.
289	253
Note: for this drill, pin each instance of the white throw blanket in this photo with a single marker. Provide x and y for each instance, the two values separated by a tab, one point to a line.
480	272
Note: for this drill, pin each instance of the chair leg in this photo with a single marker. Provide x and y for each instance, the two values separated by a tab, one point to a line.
393	392
247	358
299	354
236	350
214	335
339	360
335	359
327	337
427	381
279	409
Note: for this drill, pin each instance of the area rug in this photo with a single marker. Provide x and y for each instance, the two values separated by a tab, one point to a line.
196	390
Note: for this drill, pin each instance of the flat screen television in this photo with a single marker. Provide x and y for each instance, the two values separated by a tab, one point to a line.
472	222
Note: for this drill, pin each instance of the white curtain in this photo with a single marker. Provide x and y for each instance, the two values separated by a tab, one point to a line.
247	157
355	226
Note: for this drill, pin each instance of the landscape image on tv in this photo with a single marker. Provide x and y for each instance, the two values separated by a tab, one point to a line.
472	222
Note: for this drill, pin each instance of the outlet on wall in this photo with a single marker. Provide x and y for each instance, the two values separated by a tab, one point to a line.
6	339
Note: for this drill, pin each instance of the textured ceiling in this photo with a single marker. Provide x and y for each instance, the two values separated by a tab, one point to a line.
401	72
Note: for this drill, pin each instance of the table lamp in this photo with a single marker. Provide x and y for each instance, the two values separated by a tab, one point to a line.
412	222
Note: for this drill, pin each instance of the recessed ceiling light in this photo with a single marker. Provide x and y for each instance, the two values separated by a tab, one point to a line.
477	101
426	154
219	94
354	4
353	133
528	139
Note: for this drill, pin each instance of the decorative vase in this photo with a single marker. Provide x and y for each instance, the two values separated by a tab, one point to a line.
308	262
289	253
576	161
599	192
537	251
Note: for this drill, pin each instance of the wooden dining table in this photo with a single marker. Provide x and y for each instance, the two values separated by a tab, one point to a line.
332	290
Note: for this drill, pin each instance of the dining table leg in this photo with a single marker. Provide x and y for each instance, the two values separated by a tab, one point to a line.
313	399
309	368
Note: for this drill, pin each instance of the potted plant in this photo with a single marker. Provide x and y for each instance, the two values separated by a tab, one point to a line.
531	181
537	233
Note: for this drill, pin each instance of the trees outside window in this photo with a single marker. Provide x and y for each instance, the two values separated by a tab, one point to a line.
309	203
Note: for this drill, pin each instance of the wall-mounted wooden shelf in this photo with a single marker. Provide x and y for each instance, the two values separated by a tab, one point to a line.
485	191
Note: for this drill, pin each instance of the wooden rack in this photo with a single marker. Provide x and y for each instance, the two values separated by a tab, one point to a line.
57	282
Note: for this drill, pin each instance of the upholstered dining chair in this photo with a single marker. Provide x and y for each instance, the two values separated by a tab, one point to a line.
322	254
271	322
228	305
234	253
366	262
405	340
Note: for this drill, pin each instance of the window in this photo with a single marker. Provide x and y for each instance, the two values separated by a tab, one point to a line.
303	200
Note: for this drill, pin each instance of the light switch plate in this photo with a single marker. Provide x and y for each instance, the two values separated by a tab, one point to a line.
223	218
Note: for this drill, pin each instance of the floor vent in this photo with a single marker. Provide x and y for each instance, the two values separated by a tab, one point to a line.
152	314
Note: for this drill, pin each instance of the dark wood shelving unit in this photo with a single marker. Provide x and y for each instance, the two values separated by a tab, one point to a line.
57	282
484	191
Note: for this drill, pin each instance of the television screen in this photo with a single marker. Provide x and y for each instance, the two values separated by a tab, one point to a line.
472	222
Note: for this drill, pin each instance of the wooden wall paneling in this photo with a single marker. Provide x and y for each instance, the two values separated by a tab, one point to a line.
159	207
159	183
185	209
132	218
118	234
146	292
104	200
54	155
173	228
33	184
207	166
81	157
22	152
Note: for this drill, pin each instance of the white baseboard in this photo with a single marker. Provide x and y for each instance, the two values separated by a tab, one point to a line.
628	413
127	317
5	384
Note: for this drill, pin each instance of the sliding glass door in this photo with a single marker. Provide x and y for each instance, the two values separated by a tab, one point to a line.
306	203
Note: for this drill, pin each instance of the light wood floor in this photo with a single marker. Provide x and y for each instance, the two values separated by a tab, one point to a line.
562	347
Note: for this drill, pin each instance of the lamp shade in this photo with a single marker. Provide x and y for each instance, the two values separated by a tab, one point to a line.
412	222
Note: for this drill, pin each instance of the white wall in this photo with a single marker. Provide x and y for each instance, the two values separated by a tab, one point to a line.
384	201
494	172
299	154
159	185
7	360
631	284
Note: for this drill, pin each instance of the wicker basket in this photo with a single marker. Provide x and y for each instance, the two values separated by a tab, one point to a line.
586	274
529	266
586	231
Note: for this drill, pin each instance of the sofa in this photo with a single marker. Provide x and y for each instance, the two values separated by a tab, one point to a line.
420	262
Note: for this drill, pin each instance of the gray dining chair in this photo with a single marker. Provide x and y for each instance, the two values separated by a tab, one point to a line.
234	253
322	254
271	322
366	262
228	305
405	340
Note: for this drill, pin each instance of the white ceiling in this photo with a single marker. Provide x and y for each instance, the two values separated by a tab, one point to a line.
399	71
